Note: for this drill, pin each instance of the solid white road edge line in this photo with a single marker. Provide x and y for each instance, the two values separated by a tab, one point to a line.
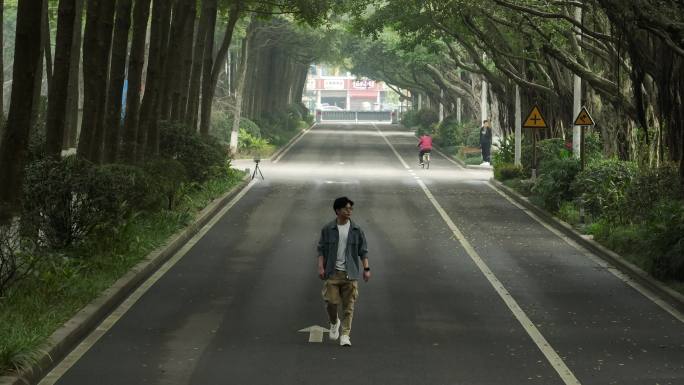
617	273
554	359
293	143
58	371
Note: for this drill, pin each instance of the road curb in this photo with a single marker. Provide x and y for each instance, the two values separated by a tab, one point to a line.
67	337
669	295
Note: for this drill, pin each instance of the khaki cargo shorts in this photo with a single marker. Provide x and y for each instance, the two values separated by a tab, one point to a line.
337	289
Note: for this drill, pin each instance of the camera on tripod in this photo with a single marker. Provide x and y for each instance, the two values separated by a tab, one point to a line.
257	159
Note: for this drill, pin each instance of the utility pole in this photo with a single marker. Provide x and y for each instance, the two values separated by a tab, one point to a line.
577	96
518	127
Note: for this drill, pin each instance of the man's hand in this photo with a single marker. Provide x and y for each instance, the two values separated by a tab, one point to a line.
366	275
321	272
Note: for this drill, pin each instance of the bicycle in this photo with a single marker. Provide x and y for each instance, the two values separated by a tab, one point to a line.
426	161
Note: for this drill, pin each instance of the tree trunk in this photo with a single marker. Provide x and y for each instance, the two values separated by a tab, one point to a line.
48	45
148	133
208	13
2	65
73	90
178	108
173	68
136	60
38	80
57	93
13	150
205	114
117	75
238	94
104	46
96	47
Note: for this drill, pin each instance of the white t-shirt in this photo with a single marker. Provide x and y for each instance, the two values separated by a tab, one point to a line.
343	230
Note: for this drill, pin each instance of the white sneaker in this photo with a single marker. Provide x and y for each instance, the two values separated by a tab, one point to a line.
335	330
344	340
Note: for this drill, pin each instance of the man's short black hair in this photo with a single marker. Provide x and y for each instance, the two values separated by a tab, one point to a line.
342	202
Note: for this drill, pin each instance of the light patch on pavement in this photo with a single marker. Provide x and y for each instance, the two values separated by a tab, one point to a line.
605	265
58	371
551	355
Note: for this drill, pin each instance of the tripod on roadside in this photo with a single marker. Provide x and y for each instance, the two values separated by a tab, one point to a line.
256	168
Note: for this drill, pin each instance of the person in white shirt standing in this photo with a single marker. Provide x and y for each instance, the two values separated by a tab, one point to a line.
342	254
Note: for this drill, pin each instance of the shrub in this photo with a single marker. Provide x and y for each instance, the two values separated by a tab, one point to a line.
549	150
422	118
505	171
118	190
601	187
506	152
249	144
554	185
665	232
427	117
166	179
202	156
222	125
16	260
648	186
451	133
569	213
58	208
556	148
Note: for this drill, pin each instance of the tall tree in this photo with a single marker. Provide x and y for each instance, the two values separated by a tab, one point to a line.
208	14
96	47
180	100
38	80
13	149
47	44
136	61
74	88
173	68
57	93
2	67
207	66
117	74
148	133
239	89
104	48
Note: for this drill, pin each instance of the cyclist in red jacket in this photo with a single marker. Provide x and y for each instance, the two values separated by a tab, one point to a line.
425	146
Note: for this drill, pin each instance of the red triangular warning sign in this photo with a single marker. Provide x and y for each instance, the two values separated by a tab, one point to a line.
534	119
583	118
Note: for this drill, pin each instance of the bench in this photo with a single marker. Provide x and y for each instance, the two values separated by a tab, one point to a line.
465	151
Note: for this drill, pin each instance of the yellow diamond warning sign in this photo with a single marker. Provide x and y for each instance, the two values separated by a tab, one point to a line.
534	119
583	118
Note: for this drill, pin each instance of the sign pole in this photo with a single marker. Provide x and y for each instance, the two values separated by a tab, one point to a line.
582	158
534	154
534	121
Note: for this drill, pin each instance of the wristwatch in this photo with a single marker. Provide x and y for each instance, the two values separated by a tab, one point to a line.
366	269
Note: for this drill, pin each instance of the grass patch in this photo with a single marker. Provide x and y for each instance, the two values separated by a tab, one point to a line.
66	282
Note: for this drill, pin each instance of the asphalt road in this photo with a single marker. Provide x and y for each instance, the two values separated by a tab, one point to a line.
466	288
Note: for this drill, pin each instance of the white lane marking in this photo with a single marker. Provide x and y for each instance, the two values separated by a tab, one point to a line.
551	356
315	333
604	264
293	143
58	371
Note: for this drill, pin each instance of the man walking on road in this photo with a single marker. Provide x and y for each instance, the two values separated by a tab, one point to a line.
342	253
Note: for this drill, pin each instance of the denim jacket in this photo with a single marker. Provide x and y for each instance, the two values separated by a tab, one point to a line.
355	251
